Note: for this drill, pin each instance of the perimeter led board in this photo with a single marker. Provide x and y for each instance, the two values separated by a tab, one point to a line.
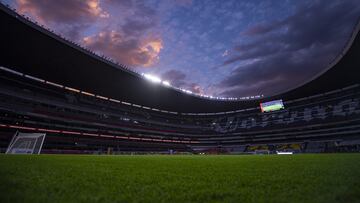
272	106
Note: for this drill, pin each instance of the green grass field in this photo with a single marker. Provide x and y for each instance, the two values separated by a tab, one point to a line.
266	178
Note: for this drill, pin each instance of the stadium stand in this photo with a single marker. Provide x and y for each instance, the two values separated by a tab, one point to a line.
81	118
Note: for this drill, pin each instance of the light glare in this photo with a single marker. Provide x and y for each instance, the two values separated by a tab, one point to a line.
166	83
152	78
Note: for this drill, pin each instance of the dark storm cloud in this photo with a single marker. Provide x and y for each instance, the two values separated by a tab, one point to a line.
284	53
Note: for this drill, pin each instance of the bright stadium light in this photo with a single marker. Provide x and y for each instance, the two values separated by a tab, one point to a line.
152	78
166	83
158	80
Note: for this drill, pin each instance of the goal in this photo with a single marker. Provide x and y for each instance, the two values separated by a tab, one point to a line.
26	143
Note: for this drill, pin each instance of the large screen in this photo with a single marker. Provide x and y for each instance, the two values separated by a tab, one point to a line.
272	106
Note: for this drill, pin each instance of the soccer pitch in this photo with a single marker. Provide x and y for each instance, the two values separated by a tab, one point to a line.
162	178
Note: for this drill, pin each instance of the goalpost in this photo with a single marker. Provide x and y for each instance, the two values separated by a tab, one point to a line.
26	143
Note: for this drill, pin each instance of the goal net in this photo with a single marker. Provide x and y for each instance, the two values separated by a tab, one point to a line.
26	143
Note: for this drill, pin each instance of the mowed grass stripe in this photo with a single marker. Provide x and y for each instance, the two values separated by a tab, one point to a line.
151	178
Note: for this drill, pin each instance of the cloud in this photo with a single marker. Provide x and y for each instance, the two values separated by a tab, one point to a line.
122	3
129	40
282	54
127	50
65	11
226	52
70	17
195	88
279	51
137	27
130	35
262	28
262	77
178	79
175	77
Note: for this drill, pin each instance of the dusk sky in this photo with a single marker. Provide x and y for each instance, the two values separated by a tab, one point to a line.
228	48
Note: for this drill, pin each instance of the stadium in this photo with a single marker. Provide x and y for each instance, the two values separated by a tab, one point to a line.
142	140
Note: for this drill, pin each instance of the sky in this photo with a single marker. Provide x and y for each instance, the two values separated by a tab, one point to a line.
226	48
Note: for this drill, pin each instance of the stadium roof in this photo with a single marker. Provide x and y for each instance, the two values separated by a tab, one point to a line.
33	50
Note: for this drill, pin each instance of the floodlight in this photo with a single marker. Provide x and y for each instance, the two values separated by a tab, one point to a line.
152	78
166	83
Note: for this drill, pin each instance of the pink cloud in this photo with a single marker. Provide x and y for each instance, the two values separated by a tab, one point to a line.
64	11
133	52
